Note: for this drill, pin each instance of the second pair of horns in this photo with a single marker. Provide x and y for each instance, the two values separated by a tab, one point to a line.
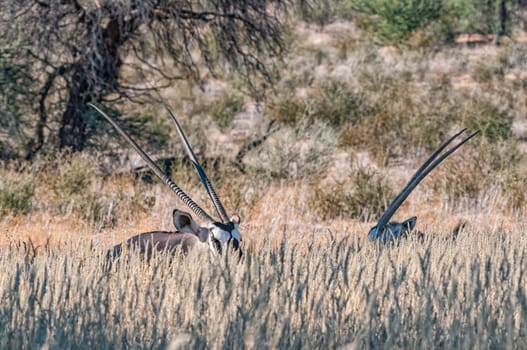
419	175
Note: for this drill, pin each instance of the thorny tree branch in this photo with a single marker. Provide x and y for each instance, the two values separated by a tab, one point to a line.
87	44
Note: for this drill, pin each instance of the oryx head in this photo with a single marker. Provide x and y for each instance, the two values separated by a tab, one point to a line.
386	231
220	234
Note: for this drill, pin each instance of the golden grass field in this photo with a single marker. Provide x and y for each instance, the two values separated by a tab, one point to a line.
304	283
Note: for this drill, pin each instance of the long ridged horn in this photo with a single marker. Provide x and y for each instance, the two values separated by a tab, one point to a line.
427	163
167	180
204	179
420	174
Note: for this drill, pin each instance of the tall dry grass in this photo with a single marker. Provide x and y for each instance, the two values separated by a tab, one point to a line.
306	280
306	294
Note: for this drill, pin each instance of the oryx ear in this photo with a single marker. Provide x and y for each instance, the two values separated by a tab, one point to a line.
184	223
236	219
410	223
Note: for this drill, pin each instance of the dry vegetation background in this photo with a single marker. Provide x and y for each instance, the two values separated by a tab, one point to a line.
355	117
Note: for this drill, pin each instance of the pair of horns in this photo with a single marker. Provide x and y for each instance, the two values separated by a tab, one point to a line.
167	180
419	175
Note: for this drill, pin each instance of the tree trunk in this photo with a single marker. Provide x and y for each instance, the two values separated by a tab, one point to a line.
503	15
86	86
72	133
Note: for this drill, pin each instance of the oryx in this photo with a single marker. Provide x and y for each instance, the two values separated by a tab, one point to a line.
218	235
386	231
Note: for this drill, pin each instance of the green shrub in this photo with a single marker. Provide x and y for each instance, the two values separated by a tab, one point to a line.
77	190
16	194
364	195
494	123
330	101
393	20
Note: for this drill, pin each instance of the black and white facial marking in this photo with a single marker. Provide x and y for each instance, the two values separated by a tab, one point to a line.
393	230
223	236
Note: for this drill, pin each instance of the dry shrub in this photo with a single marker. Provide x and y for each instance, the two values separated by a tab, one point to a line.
125	202
514	185
485	71
329	101
77	190
224	107
405	117
481	166
183	172
294	153
400	119
363	196
237	190
321	12
240	192
287	107
17	191
493	120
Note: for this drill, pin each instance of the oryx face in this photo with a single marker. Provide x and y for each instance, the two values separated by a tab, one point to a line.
220	236
223	236
393	230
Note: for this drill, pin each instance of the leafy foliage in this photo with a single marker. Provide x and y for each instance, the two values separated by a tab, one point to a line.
393	20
